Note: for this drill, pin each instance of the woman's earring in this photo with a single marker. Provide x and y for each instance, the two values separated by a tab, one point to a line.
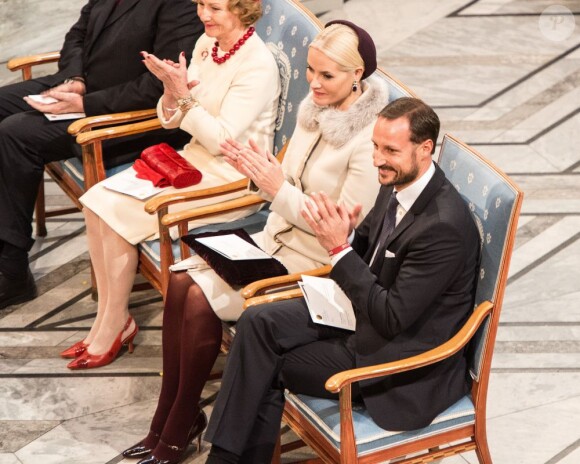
355	86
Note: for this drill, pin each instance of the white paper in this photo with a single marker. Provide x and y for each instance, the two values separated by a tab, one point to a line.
127	182
233	247
193	263
327	303
63	116
44	99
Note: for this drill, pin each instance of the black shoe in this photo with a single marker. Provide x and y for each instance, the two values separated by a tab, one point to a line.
15	291
139	451
180	453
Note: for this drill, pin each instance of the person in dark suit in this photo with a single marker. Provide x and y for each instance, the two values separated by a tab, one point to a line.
100	71
409	270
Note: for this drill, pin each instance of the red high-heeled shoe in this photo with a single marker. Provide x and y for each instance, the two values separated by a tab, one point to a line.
75	350
89	361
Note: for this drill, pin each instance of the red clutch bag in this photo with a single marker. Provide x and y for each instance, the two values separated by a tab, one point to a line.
163	166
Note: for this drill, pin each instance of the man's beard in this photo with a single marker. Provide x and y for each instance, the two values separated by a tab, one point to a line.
402	178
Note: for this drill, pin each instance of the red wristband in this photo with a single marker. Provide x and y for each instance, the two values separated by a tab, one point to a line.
338	249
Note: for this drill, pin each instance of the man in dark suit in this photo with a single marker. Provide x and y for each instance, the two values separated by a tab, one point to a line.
409	270
99	71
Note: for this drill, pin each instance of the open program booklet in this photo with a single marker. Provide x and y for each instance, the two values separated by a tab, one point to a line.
327	303
128	183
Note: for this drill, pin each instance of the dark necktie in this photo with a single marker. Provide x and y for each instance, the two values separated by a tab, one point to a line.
389	223
390	219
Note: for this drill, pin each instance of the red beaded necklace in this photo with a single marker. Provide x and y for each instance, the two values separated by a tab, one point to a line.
233	50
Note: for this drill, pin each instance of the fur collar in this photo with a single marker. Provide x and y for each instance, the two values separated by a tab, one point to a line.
338	127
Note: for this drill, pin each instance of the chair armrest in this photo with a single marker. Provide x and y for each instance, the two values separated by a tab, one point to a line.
23	62
261	286
84	124
173	219
91	137
155	204
338	381
162	201
271	297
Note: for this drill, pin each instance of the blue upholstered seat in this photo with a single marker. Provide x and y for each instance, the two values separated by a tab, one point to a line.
369	436
495	202
74	168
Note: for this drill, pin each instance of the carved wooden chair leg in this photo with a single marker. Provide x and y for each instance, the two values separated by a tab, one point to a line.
40	211
276	458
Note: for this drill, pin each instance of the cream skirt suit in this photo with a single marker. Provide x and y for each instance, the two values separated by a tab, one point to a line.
330	151
237	99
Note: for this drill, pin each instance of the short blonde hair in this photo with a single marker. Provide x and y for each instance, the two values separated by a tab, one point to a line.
248	11
339	43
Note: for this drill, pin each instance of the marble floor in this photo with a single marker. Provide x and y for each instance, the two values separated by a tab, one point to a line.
504	76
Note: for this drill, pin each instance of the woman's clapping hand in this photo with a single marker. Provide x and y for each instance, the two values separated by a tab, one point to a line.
260	166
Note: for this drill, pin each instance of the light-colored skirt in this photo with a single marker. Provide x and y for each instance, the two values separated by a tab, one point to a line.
127	217
227	301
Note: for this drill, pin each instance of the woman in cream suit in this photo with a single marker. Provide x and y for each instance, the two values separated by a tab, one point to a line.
230	89
331	151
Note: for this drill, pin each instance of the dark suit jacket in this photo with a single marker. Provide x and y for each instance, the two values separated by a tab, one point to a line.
104	45
412	302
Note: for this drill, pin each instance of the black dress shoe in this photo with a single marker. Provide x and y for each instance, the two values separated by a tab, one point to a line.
136	452
15	291
180	452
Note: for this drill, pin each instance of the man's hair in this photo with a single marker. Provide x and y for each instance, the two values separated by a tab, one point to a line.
423	121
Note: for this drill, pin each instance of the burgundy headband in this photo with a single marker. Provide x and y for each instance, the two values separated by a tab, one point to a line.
366	46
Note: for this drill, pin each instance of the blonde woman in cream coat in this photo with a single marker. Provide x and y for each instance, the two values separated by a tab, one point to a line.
212	101
331	151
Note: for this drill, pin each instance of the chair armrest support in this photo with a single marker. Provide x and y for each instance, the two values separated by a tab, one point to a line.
25	63
271	297
173	219
261	286
92	137
335	383
155	204
84	124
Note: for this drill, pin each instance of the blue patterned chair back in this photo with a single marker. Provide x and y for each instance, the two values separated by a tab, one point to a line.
288	28
396	88
495	202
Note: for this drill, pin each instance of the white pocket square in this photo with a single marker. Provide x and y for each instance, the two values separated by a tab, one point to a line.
389	254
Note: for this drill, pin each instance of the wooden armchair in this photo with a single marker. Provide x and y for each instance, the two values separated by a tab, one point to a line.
73	176
287	28
339	433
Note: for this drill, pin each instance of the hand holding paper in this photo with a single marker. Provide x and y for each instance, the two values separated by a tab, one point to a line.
327	303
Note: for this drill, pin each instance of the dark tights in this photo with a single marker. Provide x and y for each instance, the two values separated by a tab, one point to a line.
192	336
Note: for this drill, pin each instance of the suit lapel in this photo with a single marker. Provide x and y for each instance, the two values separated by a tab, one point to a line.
420	203
100	16
380	209
106	16
123	7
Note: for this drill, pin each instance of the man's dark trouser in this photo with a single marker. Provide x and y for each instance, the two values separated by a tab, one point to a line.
28	141
276	346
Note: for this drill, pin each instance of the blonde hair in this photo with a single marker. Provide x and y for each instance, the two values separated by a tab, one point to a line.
248	11
339	43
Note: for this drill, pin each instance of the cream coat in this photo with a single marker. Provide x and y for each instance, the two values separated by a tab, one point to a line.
340	164
238	99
